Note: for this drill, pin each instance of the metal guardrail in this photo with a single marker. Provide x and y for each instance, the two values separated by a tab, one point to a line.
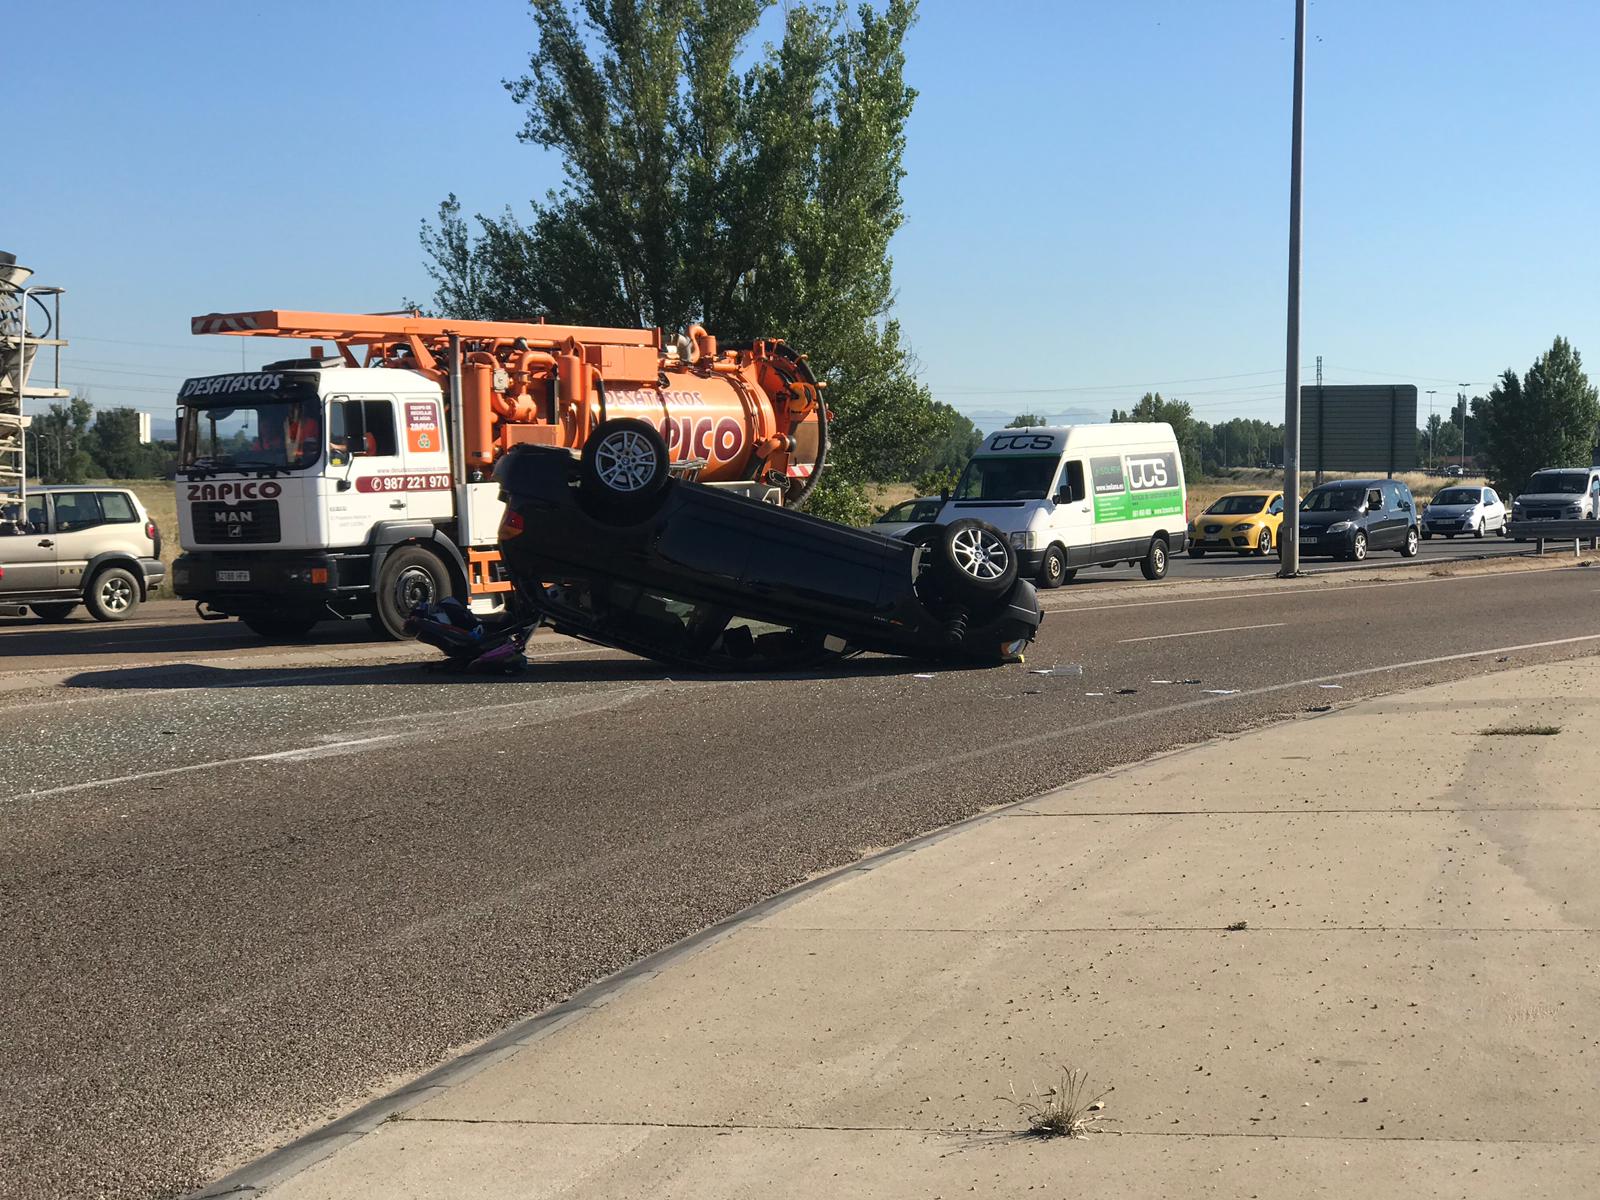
1540	532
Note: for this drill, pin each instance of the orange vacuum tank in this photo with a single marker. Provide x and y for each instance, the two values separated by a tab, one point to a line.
752	411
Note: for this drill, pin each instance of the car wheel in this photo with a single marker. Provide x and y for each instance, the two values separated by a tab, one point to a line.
51	613
280	628
1359	551
625	467
1264	543
409	576
1154	563
112	595
975	561
1196	552
1427	535
1413	544
1479	532
1053	570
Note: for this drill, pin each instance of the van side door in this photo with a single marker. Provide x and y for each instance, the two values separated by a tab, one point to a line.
1072	513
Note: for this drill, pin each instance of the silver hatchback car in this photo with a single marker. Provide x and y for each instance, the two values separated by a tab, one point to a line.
1469	511
77	544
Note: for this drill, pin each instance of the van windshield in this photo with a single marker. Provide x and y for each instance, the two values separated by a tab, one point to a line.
1334	499
1007	477
1553	483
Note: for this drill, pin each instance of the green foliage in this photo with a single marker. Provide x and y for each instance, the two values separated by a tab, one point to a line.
839	499
758	202
71	443
1549	418
1026	420
936	482
954	441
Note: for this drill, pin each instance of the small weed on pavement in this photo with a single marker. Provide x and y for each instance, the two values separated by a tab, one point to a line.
1066	1110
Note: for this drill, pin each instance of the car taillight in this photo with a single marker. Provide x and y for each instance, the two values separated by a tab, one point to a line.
510	524
150	530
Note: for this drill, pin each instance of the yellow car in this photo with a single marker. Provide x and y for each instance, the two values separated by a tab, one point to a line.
1244	522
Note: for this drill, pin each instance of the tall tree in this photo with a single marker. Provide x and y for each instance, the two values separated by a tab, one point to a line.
758	202
1191	434
1025	420
1550	418
59	441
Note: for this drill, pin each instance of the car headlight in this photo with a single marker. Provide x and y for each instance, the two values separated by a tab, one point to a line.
1241	526
1340	527
1023	540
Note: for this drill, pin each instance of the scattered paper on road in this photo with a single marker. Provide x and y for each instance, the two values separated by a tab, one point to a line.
1161	681
1332	686
1222	691
922	677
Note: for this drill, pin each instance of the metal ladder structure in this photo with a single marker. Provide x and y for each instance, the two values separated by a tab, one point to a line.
20	344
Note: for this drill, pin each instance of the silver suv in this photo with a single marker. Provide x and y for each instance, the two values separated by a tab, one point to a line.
74	544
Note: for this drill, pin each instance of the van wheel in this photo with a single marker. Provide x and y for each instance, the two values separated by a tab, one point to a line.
1154	563
112	595
1053	570
410	576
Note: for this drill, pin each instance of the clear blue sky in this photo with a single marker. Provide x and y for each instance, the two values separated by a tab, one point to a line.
1096	200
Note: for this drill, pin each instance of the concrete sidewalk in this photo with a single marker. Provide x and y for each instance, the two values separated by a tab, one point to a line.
1413	1008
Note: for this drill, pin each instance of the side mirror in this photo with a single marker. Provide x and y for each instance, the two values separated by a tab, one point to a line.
1064	496
944	495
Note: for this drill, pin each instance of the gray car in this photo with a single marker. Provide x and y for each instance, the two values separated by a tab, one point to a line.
1468	511
70	544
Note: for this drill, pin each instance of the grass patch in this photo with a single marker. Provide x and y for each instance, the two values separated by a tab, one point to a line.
1067	1110
1523	731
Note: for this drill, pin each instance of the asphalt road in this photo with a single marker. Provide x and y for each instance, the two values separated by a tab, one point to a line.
242	888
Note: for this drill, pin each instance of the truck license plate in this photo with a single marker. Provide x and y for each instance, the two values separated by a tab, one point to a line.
233	576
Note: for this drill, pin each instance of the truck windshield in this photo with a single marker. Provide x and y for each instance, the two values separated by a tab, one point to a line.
1007	477
276	424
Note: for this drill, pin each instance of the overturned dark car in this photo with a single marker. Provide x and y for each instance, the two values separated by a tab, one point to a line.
619	547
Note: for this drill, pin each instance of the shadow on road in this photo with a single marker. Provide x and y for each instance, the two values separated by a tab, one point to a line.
411	674
26	637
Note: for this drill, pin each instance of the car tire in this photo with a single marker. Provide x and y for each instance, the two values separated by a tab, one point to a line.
1479	532
1154	563
625	468
112	595
1413	544
1053	570
1196	552
974	560
285	627
1427	535
52	614
409	576
1264	543
1358	550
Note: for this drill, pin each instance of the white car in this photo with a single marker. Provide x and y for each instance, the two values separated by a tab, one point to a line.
1465	510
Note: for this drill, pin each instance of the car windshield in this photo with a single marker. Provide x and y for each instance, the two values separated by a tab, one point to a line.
1550	483
1007	477
1334	499
1238	506
912	510
274	423
1458	496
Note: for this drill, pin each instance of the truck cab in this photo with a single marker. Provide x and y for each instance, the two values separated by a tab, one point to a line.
311	490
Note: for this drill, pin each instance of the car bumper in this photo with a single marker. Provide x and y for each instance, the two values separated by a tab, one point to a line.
154	571
1226	540
1317	541
238	585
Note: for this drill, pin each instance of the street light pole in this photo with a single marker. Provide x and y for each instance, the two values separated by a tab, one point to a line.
1289	531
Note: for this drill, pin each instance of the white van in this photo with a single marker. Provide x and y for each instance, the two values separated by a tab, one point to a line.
1078	495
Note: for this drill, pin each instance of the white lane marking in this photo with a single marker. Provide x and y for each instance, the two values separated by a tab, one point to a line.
1161	637
331	748
1286	592
865	783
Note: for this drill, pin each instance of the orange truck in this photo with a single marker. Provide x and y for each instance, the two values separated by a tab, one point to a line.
357	482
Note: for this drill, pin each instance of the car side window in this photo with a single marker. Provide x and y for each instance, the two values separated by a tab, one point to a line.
1276	508
1072	482
77	510
1402	499
1375	499
117	509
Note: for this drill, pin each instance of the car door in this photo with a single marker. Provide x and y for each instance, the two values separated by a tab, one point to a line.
28	552
1275	517
1380	535
1494	510
1405	512
78	518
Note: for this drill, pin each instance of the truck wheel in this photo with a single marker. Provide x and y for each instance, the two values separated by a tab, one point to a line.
975	561
51	613
625	468
409	576
112	595
280	628
1154	563
1053	570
